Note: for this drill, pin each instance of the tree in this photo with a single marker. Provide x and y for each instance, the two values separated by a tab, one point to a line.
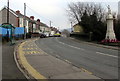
85	22
91	16
117	28
76	10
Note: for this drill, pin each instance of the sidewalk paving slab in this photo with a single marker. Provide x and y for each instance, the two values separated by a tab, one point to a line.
9	69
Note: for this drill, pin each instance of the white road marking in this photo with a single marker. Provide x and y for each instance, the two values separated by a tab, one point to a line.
107	54
69	45
84	49
72	38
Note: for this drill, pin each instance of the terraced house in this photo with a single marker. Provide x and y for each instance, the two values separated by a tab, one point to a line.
13	18
16	18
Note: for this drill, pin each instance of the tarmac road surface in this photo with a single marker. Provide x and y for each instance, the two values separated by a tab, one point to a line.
102	62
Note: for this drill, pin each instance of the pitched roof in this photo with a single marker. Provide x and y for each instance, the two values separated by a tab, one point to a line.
42	24
10	10
14	13
17	15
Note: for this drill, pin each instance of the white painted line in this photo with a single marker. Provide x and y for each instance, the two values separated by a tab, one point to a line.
68	61
84	49
107	54
57	55
72	38
69	45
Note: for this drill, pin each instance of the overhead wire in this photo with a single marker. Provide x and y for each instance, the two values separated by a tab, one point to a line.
37	13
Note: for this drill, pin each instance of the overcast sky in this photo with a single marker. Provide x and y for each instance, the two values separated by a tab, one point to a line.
51	10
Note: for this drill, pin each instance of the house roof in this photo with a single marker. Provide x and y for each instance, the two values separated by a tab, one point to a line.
18	15
10	10
42	24
14	13
76	25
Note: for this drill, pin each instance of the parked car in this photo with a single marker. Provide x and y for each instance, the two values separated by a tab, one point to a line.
57	35
47	34
35	34
52	33
42	35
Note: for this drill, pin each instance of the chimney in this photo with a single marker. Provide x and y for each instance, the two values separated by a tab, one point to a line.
32	17
38	20
17	12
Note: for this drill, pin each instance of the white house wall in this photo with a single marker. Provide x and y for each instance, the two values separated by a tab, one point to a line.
21	22
27	26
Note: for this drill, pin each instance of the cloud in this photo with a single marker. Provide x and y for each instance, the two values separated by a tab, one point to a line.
44	7
53	10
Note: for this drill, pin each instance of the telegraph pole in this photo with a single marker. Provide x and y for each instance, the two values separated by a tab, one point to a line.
71	27
50	23
8	12
24	20
8	20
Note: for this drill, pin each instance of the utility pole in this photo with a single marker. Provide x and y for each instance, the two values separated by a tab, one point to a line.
71	27
7	20
24	21
50	23
8	12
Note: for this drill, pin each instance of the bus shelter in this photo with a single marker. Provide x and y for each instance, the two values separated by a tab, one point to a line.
10	31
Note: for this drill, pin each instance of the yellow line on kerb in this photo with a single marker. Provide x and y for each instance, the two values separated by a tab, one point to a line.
86	71
27	66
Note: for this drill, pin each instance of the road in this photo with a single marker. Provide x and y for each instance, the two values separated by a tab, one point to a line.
102	62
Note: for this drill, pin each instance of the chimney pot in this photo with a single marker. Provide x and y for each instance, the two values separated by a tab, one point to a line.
32	17
18	12
38	20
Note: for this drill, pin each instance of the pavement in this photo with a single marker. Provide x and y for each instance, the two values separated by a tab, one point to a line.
38	64
9	69
0	61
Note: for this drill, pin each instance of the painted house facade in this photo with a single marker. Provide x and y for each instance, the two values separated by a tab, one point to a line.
21	20
44	27
77	29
